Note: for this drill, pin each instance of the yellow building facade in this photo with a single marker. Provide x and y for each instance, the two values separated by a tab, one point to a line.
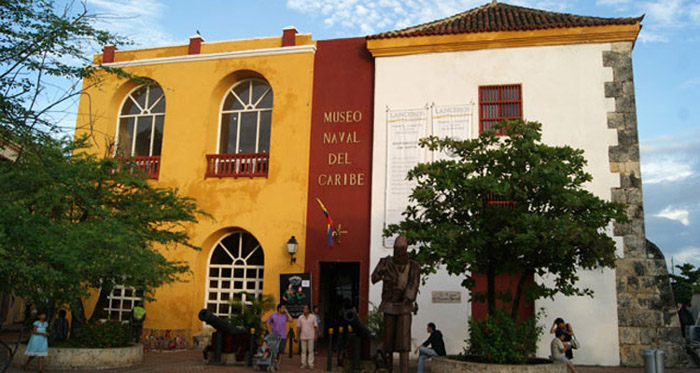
226	123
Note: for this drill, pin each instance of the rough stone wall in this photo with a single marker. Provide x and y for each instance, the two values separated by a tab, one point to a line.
646	311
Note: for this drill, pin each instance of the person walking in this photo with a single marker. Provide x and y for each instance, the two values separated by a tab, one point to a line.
433	346
277	324
138	316
307	330
38	345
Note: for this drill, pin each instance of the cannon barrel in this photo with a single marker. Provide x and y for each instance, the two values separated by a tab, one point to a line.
218	324
353	319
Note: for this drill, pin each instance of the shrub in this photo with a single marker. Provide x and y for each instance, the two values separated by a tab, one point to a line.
249	316
104	334
375	323
500	340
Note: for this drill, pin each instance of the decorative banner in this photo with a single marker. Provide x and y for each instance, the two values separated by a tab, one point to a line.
404	129
451	121
295	292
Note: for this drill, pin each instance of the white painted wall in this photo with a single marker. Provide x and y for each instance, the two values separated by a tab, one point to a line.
563	88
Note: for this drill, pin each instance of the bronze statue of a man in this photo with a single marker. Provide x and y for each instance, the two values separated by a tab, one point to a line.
401	277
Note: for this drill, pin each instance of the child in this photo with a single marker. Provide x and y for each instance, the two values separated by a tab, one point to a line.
263	350
38	343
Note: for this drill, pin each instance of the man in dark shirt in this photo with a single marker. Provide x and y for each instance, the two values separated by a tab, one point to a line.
685	316
433	346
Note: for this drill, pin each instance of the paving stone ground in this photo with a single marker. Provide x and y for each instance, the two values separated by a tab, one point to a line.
191	361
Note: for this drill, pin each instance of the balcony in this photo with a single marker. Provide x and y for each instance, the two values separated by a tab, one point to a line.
237	165
148	165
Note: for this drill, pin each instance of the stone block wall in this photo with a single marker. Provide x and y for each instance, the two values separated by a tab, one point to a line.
647	317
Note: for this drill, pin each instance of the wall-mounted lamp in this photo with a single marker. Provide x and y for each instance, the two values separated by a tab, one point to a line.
292	249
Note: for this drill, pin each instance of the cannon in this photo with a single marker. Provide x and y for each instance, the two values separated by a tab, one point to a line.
353	319
237	337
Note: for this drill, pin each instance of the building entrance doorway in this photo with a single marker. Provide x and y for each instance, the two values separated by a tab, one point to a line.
339	288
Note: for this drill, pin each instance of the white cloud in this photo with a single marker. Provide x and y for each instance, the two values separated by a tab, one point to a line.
649	36
694	12
670	158
665	12
664	20
661	171
369	17
679	215
612	2
687	254
139	20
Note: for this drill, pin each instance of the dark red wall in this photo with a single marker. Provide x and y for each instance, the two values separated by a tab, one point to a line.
343	87
503	282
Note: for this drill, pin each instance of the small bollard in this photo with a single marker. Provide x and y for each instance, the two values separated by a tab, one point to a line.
649	361
329	360
251	350
341	346
659	359
355	351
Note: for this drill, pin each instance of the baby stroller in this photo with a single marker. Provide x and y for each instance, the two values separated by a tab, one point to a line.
268	363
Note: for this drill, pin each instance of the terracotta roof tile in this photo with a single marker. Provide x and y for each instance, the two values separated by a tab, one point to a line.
503	17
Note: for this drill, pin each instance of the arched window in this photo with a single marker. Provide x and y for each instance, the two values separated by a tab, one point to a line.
246	117
244	136
140	132
235	272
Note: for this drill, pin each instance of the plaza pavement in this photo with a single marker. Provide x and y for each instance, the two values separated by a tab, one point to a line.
191	361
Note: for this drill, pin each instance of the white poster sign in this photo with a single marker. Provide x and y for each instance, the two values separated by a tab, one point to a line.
453	121
404	129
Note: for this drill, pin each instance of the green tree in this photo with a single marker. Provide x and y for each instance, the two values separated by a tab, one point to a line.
42	62
686	283
71	221
509	204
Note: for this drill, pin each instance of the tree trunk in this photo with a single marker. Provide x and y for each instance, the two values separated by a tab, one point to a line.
518	293
4	298
101	301
491	289
77	318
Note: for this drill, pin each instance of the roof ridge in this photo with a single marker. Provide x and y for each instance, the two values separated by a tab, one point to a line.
496	16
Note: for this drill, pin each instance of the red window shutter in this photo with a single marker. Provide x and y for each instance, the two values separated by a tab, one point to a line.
497	103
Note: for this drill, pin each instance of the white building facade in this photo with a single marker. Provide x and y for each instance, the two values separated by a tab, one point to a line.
540	66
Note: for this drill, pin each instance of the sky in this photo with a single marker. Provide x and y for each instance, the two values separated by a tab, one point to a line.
665	57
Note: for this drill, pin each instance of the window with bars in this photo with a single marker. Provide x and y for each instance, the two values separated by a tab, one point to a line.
235	272
121	301
498	103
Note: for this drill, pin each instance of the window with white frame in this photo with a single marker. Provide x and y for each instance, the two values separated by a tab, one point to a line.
121	301
235	272
141	120
246	117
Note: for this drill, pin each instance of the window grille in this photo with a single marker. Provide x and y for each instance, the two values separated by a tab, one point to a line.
121	301
140	132
498	103
235	272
